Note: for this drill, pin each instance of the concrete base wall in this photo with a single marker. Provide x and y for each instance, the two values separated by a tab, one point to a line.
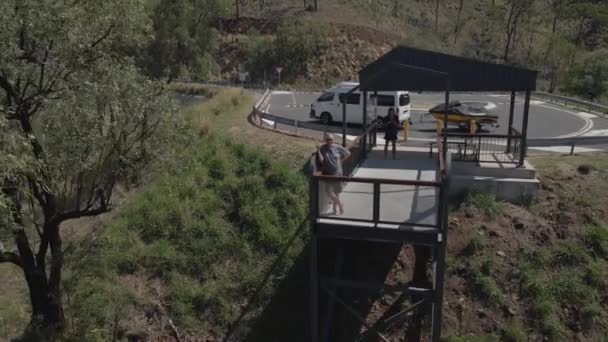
514	190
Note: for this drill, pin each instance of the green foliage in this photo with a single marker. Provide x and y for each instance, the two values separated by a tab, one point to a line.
476	243
570	253
485	201
589	76
183	39
193	89
485	338
515	332
296	43
207	229
596	238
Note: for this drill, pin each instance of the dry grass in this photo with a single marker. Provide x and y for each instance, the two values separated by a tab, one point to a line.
14	304
228	113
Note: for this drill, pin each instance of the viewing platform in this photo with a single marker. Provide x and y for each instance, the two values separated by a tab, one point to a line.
384	199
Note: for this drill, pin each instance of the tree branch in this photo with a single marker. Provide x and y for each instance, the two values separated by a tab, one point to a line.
104	36
10	257
103	208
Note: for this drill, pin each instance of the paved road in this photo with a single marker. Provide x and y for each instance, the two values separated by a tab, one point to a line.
546	120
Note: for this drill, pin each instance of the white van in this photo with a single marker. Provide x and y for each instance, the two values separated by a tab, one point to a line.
328	107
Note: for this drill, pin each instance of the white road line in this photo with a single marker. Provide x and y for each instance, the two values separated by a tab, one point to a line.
587	115
294	98
536	102
281	92
597	133
565	149
586	128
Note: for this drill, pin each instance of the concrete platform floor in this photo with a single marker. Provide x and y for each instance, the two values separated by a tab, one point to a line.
398	203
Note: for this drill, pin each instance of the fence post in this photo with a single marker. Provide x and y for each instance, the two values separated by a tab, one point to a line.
572	149
376	201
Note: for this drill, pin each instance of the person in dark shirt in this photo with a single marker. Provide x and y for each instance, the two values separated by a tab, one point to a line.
391	129
330	157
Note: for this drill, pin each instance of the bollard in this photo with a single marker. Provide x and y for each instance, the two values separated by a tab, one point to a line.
572	149
406	130
439	127
472	127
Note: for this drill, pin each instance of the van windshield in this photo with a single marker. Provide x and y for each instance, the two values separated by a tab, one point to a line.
326	97
404	100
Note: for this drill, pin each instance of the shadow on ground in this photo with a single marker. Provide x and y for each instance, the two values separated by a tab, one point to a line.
286	316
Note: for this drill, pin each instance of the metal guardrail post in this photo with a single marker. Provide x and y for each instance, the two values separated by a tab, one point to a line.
510	127
376	199
524	132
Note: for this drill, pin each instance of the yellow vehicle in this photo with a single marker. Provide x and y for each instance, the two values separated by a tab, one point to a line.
473	115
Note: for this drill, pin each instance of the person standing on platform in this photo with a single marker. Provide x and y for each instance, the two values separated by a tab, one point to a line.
331	156
391	129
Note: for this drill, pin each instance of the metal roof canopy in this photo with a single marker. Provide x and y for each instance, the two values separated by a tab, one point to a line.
405	68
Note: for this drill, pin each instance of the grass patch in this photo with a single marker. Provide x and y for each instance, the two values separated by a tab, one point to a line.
596	238
207	229
570	253
14	304
486	202
194	89
475	244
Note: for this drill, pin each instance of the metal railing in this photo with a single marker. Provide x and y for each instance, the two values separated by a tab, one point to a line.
320	199
486	148
571	102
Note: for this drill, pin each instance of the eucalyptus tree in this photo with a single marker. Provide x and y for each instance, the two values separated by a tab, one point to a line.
77	119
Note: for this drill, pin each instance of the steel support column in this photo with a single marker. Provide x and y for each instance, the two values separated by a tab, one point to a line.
445	116
524	130
364	113
344	121
314	290
510	127
440	254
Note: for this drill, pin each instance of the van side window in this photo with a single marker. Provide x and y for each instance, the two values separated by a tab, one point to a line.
350	98
404	100
326	97
384	100
353	99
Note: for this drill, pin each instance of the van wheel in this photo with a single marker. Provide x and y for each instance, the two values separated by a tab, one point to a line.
326	118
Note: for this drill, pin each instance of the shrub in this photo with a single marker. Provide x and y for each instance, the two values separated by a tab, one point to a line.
596	238
486	202
476	244
570	253
596	275
515	332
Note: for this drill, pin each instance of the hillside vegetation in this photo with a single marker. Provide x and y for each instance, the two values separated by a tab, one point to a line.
566	41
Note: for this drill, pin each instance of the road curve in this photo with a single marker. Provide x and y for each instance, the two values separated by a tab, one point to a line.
546	120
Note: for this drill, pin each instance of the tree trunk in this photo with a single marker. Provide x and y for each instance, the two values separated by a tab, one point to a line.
457	26
45	294
316	6
436	15
237	7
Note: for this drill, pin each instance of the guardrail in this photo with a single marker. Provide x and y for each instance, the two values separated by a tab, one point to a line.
572	102
572	142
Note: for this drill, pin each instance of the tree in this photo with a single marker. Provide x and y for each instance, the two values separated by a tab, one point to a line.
457	25
88	119
516	10
182	37
589	76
